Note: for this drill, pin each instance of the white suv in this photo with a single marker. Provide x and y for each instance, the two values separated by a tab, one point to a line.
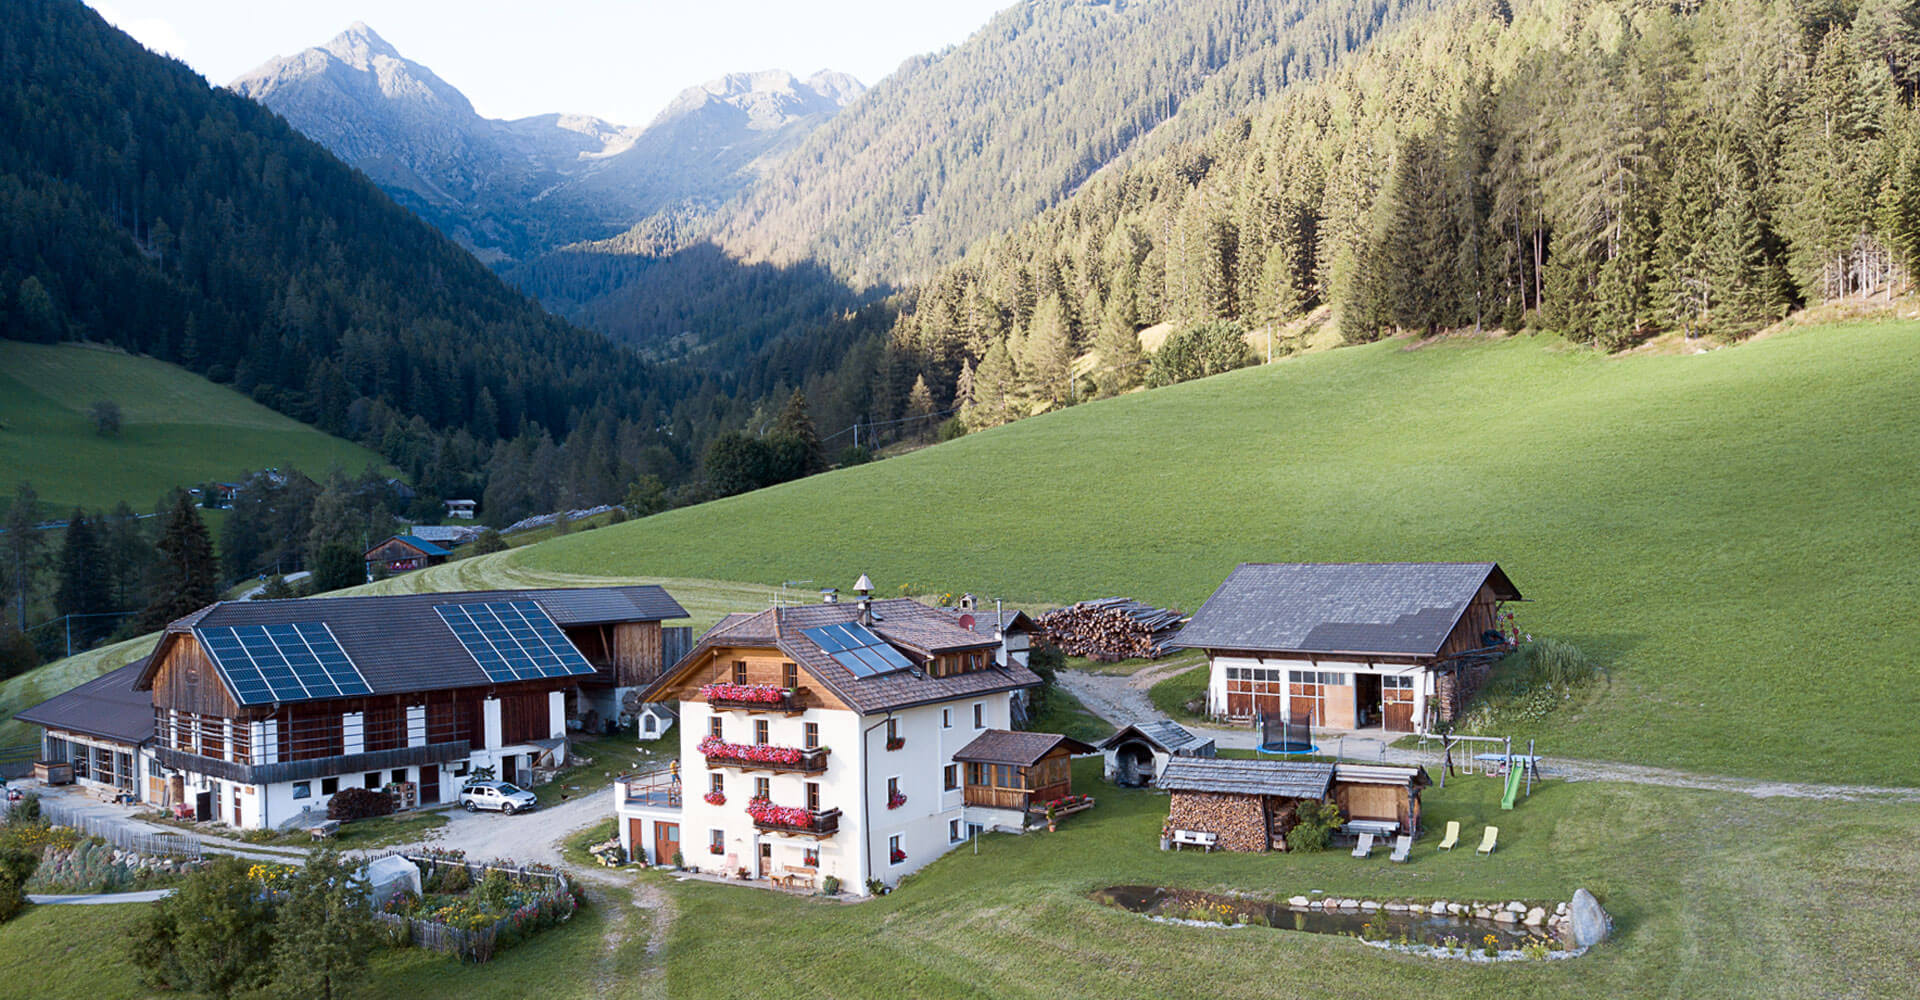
509	799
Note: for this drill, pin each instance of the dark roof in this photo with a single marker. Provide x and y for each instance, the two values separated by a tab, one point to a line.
1381	774
398	642
423	545
1010	620
107	707
914	628
1004	746
1165	734
1402	609
1285	778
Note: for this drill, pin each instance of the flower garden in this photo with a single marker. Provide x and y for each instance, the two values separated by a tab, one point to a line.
475	909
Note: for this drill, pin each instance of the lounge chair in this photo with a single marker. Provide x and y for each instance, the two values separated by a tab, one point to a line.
1365	847
1487	841
1452	838
1402	847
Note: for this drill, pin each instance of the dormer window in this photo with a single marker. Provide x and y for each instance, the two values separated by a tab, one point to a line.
739	671
789	676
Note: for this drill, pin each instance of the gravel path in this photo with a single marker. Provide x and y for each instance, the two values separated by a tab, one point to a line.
1123	699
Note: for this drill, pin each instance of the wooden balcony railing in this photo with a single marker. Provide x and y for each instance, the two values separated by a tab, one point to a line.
821	825
812	761
996	798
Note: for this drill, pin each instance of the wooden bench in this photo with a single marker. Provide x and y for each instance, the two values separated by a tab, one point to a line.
1198	838
796	877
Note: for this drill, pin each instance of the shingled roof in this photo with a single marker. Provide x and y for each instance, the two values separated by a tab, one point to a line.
400	643
1165	734
914	628
1284	778
1399	609
107	707
1004	746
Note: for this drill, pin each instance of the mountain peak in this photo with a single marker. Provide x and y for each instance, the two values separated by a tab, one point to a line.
359	45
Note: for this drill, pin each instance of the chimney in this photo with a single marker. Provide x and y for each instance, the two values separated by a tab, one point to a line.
829	595
966	601
864	587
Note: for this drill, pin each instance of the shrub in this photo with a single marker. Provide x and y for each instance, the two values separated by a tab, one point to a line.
495	890
1314	826
1198	352
16	867
830	885
449	879
350	804
488	541
27	810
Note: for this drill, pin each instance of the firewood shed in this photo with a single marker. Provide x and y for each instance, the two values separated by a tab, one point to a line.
1248	805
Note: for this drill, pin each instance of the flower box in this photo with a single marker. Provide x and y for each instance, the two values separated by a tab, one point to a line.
752	697
898	856
762	756
896	742
793	819
716	798
896	800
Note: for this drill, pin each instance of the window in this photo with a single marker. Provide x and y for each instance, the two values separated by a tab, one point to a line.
399	775
1401	683
976	774
813	735
763	788
739	671
979	715
954	836
893	730
713	728
946	718
812	857
789	676
1006	776
328	786
759	730
975	829
894	854
372	780
716	841
813	796
153	768
952	777
303	789
893	787
717	783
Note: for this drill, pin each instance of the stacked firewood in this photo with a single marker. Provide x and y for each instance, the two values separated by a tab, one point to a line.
1112	629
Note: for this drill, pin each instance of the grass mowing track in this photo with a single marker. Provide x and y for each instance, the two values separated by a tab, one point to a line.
1731	533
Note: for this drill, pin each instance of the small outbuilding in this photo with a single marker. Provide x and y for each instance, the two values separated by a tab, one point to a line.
1138	753
1009	775
1374	794
1239	805
389	875
402	553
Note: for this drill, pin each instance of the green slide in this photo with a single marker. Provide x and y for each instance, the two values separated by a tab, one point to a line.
1513	785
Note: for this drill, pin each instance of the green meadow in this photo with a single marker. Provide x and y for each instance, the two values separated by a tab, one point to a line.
1731	532
178	430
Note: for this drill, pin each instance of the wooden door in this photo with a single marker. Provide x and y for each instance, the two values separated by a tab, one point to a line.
1304	708
1398	715
1239	704
666	842
429	784
237	824
766	861
508	772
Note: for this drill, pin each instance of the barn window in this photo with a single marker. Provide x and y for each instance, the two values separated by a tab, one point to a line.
739	671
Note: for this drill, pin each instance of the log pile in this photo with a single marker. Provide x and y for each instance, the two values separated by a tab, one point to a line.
1238	820
1112	629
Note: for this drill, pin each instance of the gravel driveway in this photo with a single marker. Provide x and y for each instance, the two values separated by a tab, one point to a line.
528	836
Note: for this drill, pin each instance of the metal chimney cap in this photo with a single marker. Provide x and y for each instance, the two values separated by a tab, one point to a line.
863	584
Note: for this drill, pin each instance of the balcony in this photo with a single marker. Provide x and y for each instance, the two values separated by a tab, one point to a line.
754	698
763	757
769	818
655	789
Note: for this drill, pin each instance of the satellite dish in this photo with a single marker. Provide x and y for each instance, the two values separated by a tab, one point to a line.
966	622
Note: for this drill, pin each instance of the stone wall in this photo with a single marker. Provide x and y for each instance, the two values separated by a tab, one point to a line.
1238	820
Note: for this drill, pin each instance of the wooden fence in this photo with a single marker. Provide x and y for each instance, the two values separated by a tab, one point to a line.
113	830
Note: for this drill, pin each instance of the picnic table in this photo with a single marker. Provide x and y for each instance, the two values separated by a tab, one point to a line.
1380	828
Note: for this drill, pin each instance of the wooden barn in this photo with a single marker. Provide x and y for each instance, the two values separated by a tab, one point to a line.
402	554
1371	796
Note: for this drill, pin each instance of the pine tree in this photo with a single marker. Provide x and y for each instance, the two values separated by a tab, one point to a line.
323	931
993	388
84	584
24	547
795	422
1118	345
919	405
187	578
1048	361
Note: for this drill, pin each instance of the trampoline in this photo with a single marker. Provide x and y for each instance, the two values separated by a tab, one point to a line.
1283	737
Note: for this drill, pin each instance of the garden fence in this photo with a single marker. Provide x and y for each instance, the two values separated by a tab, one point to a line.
478	944
113	830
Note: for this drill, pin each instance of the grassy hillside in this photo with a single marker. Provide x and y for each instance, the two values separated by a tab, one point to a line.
1731	532
179	429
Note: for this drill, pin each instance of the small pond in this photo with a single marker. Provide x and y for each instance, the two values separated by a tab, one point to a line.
1418	927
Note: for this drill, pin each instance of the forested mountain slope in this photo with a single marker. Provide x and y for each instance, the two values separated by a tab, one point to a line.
1601	169
141	207
950	148
510	189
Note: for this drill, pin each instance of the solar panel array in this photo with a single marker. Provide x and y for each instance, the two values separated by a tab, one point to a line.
857	649
514	640
299	661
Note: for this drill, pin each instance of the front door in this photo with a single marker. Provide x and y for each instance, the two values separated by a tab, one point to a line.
1366	700
429	784
766	860
507	770
666	842
236	808
1396	704
637	837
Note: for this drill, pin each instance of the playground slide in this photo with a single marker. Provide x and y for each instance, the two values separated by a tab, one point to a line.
1514	774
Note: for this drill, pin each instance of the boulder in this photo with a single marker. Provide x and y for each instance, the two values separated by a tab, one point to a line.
1349	904
1439	906
1297	901
1517	907
1369	905
1587	923
1560	909
1396	907
1455	909
1535	917
1506	917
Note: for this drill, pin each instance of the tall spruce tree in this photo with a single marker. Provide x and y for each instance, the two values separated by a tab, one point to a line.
187	578
84	587
25	548
323	932
797	423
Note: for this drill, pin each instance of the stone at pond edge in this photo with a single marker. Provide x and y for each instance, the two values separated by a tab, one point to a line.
1296	901
1588	922
1535	917
1506	917
1439	907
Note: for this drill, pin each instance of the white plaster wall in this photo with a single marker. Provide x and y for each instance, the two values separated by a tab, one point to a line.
490	724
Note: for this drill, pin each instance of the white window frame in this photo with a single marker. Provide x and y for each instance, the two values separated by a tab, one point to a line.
946	718
956	832
893	847
979	715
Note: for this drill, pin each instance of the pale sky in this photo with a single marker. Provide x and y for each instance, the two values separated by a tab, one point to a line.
622	60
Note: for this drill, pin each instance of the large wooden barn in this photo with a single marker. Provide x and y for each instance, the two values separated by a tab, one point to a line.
1395	646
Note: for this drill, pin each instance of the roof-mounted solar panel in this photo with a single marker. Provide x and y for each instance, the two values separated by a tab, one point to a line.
513	641
855	647
298	661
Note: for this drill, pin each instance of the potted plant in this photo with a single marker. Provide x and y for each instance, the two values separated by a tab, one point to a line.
830	885
1051	816
716	798
1166	835
896	800
896	742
